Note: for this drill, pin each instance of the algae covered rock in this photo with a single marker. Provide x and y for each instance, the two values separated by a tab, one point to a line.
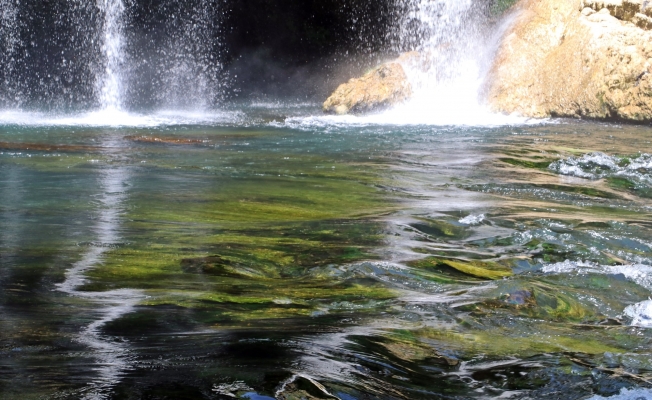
382	87
589	58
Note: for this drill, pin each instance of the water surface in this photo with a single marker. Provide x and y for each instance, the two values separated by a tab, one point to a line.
265	252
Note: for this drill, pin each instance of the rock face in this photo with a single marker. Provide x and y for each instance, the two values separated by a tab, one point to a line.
637	11
576	58
379	88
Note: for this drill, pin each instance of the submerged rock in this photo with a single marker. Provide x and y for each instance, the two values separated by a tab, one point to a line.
382	87
589	58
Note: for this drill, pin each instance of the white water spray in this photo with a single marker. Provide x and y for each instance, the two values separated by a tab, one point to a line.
110	82
456	46
9	42
189	66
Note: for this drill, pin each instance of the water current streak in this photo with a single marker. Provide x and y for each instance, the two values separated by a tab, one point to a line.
110	354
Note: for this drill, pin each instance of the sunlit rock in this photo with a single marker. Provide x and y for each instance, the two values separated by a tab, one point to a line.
626	10
576	59
382	87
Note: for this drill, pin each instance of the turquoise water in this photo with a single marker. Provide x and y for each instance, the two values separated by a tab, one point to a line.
266	251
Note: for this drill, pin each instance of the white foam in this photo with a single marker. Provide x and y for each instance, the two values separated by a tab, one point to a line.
408	115
112	117
472	219
639	273
600	165
641	314
627	394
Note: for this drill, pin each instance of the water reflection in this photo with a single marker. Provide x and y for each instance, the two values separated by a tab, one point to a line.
112	356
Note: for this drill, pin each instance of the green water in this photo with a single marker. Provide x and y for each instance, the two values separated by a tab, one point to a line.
272	254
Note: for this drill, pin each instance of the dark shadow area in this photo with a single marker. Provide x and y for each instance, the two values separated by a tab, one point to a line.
302	49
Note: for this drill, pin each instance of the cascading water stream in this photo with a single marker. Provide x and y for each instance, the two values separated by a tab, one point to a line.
456	45
110	82
452	44
455	41
83	65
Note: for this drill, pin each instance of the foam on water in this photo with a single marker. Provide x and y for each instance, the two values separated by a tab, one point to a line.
407	115
641	314
600	165
112	117
472	219
639	273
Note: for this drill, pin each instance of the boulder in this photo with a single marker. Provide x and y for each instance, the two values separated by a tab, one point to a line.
382	87
580	58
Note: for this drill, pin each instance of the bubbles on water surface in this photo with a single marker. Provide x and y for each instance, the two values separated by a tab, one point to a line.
600	165
472	219
641	314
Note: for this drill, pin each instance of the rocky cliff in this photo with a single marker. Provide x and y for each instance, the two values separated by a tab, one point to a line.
576	58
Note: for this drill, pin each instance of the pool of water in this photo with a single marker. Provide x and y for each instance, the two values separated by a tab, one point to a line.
268	252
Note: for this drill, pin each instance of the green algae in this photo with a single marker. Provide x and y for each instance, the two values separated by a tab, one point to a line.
519	162
500	6
452	268
251	246
628	185
441	229
502	342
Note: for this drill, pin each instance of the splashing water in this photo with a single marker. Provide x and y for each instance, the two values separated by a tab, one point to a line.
456	45
452	44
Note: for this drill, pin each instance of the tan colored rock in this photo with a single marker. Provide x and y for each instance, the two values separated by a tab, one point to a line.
382	87
562	58
622	9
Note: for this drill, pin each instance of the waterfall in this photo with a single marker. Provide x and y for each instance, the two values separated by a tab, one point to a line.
188	61
447	35
9	42
456	41
110	81
76	56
